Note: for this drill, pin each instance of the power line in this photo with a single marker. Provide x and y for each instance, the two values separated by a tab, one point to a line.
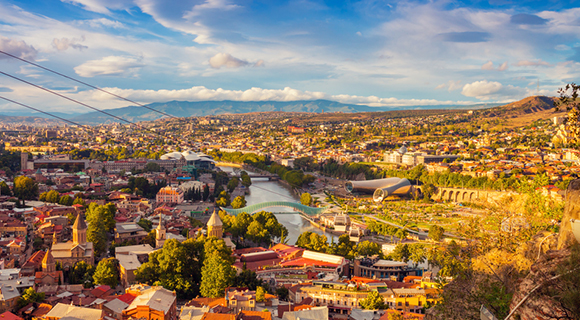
86	84
38	110
67	98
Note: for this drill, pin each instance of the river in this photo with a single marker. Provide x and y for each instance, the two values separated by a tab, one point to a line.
263	190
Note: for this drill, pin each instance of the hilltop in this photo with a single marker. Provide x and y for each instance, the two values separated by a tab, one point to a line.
523	112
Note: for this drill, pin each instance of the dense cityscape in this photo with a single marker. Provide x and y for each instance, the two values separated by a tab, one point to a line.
419	215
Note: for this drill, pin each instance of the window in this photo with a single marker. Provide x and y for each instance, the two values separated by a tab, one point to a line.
400	303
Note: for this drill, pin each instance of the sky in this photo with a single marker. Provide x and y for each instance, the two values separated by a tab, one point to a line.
376	53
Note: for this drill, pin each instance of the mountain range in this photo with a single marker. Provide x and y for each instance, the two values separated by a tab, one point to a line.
206	108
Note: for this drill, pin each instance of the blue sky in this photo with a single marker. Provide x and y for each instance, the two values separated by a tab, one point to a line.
378	53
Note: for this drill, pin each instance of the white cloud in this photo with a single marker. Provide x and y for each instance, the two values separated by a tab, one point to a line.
198	9
110	66
201	93
226	60
259	63
101	6
529	63
18	48
450	86
486	90
64	43
487	66
102	22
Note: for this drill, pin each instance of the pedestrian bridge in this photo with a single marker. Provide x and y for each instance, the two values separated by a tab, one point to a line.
261	206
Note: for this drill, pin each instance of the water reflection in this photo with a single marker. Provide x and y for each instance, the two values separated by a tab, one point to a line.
263	190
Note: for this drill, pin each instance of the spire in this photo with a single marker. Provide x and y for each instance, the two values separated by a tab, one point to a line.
80	223
48	264
214	220
160	226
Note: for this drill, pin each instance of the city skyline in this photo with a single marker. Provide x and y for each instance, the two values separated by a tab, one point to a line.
377	54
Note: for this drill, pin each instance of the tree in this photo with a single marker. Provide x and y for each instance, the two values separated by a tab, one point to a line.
401	253
5	189
282	293
52	196
373	301
258	233
216	275
30	296
82	273
260	294
239	202
66	200
147	225
25	188
152	167
436	232
306	199
312	241
367	249
107	272
233	183
79	200
246	180
247	279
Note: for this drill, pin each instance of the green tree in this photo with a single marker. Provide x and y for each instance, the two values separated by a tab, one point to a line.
107	272
306	199
312	241
82	273
258	233
239	202
246	180
152	167
373	301
216	275
282	293
147	225
247	279
260	294
66	200
401	253
436	232
25	189
30	296
5	189
233	183
79	200
367	249
52	196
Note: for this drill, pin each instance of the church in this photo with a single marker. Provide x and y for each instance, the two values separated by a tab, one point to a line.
71	252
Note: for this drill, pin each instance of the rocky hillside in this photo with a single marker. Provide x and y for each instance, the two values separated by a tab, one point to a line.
525	106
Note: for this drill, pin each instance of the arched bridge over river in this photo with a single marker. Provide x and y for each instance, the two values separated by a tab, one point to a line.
311	211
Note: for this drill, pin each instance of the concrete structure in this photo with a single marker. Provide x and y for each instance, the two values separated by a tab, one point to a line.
382	269
380	188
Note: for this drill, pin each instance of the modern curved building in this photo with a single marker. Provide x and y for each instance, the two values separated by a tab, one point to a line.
380	188
200	160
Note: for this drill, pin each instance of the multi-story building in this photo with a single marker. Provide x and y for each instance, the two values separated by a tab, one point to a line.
170	195
339	297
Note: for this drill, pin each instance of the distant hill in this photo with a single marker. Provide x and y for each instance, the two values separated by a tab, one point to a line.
29	120
527	105
205	108
524	112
